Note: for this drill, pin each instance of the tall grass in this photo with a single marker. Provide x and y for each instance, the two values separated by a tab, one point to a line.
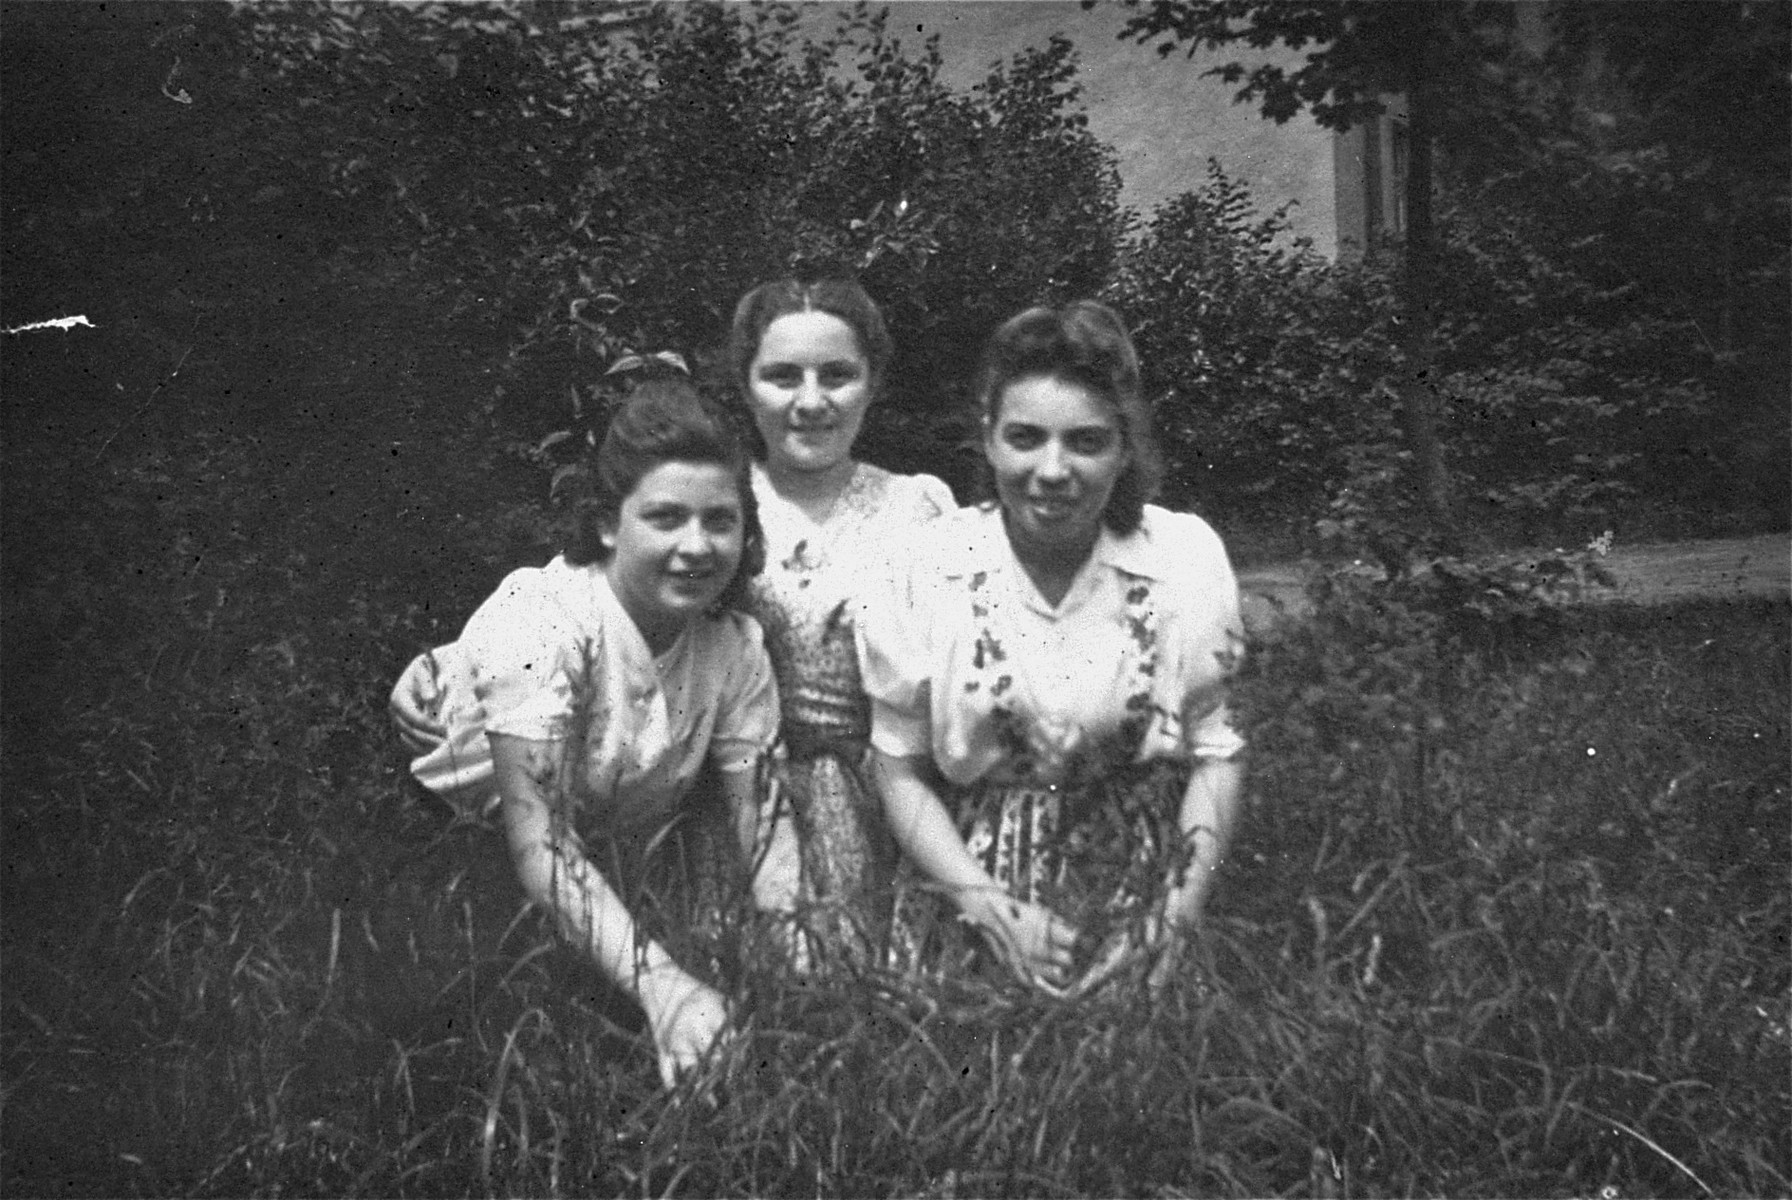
1508	916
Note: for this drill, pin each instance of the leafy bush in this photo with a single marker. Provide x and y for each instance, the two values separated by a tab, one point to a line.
631	177
1259	379
1564	397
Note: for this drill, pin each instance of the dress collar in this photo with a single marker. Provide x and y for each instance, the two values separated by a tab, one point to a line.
621	627
976	542
1134	553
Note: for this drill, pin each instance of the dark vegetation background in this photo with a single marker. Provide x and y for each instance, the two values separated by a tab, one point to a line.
351	274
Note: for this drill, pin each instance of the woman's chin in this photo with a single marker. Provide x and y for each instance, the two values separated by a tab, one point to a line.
1053	532
683	599
811	457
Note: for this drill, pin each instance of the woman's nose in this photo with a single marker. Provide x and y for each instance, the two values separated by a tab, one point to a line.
809	393
1051	464
694	541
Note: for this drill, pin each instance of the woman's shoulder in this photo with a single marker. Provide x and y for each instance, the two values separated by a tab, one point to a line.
1177	546
1172	528
913	497
729	632
558	599
521	591
958	540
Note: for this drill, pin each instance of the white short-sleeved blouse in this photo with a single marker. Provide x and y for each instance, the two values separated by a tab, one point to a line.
552	656
966	663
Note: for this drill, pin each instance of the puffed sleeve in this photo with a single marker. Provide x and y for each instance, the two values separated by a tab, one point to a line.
893	631
747	706
934	498
526	648
1209	637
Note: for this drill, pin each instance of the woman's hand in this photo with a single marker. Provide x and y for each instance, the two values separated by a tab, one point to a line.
1156	947
416	704
685	1016
1035	942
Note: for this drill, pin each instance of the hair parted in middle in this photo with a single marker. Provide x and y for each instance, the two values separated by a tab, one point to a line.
1085	343
661	421
838	297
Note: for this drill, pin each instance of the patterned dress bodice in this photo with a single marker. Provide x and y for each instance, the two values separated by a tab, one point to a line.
802	605
803	599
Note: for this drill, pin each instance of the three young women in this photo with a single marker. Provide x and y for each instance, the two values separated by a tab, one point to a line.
1043	676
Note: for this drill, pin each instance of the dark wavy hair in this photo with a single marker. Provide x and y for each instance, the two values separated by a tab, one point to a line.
838	297
1085	343
661	421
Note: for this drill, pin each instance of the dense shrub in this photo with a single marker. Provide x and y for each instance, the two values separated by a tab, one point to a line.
632	175
1264	360
1565	396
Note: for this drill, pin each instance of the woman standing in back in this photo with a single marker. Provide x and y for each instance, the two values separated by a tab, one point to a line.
808	360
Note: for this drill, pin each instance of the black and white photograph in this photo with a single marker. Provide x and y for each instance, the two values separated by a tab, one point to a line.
934	599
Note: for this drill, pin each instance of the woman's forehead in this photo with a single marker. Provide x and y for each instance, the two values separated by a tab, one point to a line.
697	484
1054	401
810	335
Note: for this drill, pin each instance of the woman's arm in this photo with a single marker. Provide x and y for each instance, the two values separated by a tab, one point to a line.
1036	942
415	705
768	841
684	1015
1207	818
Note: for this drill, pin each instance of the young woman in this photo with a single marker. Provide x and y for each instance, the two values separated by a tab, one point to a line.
608	679
1047	672
808	360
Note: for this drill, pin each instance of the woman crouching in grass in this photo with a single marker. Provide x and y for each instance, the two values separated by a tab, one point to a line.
609	679
1047	673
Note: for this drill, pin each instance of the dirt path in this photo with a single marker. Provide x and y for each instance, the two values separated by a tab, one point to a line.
1646	574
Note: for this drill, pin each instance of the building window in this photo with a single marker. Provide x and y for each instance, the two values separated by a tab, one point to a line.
1370	164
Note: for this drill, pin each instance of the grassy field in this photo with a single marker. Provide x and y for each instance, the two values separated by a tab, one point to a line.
1509	914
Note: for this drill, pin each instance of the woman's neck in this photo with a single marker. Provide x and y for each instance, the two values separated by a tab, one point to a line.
1052	568
814	492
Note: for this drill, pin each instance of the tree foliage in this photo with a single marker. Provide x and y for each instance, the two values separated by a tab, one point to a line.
1441	58
614	185
1602	295
1256	353
1680	176
562	185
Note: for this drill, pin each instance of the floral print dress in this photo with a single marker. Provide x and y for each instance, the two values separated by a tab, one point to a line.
1065	734
805	599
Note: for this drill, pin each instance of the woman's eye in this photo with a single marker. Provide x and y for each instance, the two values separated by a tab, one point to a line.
723	521
1023	437
663	518
840	374
780	376
1090	441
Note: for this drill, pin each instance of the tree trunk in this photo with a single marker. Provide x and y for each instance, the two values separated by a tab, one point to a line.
1419	393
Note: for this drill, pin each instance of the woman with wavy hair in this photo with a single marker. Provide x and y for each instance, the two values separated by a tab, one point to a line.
589	695
1048	673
